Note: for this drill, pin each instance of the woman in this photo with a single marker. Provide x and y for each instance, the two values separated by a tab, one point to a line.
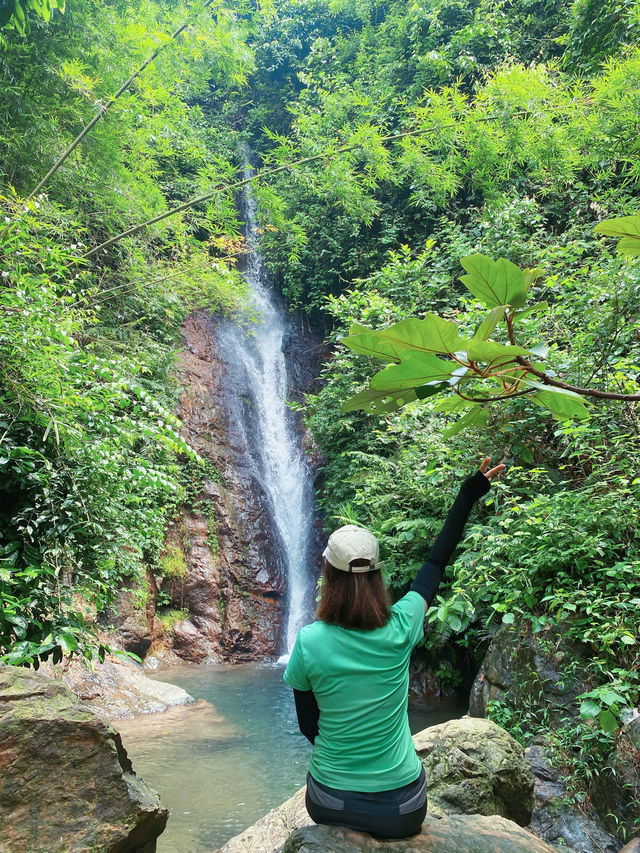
350	675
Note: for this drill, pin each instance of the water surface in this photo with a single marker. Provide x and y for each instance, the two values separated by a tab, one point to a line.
220	766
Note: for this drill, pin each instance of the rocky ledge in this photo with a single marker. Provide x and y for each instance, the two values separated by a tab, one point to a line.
480	795
66	783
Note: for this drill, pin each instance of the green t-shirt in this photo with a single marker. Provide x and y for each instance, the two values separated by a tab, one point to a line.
361	682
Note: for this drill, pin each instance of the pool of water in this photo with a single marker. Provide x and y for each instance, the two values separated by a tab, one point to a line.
223	763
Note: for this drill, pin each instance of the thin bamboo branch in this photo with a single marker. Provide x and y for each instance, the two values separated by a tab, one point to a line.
267	173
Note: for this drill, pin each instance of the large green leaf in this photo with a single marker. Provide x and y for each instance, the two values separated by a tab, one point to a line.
494	282
563	404
378	402
476	416
493	353
431	334
489	323
538	308
627	228
454	403
418	368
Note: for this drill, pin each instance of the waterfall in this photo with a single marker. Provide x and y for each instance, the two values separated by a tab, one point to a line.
256	360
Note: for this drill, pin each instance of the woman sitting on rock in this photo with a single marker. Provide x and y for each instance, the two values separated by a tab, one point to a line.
350	676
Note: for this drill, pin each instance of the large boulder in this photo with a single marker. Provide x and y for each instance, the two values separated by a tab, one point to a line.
452	834
66	783
523	669
472	766
475	767
117	689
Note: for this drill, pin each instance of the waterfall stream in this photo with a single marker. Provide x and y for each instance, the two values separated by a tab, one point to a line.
272	442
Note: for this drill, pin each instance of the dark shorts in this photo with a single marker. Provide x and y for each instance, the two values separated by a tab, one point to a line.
397	813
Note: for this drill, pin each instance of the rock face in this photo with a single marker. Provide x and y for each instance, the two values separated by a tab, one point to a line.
475	767
472	767
554	822
66	783
617	791
233	587
525	668
117	689
454	834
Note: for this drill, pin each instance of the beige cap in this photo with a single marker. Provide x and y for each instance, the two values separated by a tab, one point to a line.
350	543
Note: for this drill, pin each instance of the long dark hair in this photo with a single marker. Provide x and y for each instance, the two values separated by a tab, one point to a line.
353	599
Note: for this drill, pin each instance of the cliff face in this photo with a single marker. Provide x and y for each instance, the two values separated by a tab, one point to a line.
232	586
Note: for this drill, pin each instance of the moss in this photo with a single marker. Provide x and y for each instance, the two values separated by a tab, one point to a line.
172	563
171	618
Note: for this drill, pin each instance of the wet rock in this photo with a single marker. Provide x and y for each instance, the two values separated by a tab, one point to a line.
117	689
66	783
632	847
553	820
616	792
451	834
129	619
526	669
475	767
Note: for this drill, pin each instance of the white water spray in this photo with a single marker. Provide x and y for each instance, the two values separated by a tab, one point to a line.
271	439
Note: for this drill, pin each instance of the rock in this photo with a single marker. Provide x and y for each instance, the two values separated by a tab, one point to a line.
130	619
525	669
451	834
475	767
616	792
632	847
118	688
271	831
554	821
492	776
66	783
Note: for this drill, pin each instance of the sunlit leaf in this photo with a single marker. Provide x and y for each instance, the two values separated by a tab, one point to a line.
494	282
562	404
494	353
432	334
418	368
378	402
627	228
538	308
489	323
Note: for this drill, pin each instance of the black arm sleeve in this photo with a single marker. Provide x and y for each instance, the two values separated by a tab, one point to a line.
428	578
308	713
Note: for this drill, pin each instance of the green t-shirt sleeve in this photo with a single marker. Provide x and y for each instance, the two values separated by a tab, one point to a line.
295	674
409	613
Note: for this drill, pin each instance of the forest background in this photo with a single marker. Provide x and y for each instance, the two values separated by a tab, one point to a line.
517	128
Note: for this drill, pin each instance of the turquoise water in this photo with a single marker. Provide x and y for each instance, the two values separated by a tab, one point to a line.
220	766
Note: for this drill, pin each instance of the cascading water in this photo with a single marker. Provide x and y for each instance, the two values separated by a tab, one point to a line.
256	361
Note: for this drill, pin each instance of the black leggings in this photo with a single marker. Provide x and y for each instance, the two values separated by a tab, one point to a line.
397	813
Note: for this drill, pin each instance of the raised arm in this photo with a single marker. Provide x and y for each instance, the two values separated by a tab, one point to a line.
478	484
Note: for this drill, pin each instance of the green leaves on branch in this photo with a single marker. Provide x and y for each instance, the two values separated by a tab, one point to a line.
627	229
478	370
13	12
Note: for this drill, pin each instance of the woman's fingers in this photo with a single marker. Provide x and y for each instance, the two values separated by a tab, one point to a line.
496	471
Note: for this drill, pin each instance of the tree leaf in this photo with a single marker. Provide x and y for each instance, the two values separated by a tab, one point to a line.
627	228
607	721
371	344
493	353
454	403
378	402
562	404
494	282
431	388
589	709
418	368
539	307
431	334
489	323
476	416
529	275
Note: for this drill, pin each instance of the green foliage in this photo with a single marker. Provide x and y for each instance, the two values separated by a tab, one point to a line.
173	564
13	13
170	619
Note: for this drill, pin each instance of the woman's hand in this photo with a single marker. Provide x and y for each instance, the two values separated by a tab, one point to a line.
492	472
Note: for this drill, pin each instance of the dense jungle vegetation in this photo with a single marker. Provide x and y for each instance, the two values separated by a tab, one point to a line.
514	130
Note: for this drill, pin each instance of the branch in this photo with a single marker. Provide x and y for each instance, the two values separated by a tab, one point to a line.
493	399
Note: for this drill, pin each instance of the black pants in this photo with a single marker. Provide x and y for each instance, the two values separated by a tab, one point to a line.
397	813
